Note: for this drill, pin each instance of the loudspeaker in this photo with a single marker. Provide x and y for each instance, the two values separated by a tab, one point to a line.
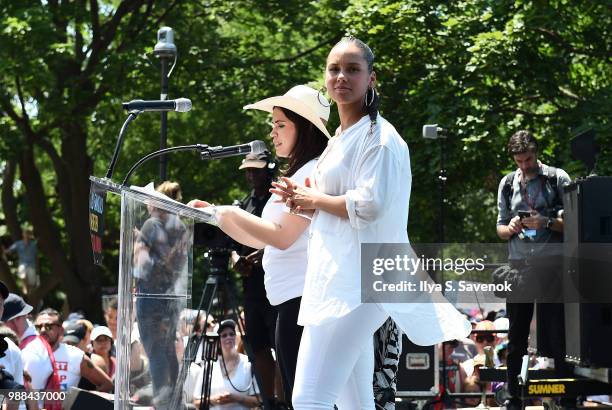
77	399
588	331
587	211
588	271
417	372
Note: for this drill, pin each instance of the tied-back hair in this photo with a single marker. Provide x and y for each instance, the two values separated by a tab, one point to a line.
309	144
368	56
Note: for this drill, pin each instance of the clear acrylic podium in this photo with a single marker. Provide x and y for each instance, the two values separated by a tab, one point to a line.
155	268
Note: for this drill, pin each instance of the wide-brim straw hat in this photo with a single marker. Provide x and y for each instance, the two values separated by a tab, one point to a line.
302	100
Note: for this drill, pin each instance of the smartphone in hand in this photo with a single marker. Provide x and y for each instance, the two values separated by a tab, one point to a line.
524	214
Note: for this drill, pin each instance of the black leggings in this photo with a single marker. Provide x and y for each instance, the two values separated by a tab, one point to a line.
288	336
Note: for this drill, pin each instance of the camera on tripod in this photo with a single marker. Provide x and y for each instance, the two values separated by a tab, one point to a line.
218	244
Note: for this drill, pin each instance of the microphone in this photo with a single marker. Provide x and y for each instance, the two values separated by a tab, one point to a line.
180	105
432	131
254	147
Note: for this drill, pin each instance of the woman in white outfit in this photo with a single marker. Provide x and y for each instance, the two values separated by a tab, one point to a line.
299	135
359	194
232	384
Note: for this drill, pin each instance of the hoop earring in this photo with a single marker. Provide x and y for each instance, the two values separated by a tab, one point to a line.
369	103
324	99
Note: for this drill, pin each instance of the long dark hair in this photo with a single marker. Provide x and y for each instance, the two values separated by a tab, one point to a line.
309	144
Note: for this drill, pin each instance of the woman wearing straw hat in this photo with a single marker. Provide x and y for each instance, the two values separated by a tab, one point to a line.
359	194
299	135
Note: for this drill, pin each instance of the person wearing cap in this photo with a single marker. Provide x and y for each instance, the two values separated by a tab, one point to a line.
359	194
485	342
75	334
70	363
232	383
299	137
15	315
102	343
10	360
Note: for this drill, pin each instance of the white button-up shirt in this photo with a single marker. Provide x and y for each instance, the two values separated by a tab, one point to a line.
372	170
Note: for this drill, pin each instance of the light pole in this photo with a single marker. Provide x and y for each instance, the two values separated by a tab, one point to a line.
165	50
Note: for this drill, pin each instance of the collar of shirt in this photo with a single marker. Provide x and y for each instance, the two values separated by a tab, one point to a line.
519	173
363	120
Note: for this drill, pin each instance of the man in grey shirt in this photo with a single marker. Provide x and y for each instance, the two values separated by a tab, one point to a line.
530	218
27	252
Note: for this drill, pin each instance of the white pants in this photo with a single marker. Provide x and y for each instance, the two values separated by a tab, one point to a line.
336	362
28	274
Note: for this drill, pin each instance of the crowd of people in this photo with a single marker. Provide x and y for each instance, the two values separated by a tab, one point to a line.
84	356
44	352
461	360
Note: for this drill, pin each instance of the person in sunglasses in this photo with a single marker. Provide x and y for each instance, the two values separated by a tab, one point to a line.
481	340
483	337
55	365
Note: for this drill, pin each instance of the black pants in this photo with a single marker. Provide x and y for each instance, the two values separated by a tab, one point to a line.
544	282
288	337
260	320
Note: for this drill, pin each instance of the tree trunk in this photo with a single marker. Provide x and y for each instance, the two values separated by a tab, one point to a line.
83	288
6	275
9	206
47	233
9	203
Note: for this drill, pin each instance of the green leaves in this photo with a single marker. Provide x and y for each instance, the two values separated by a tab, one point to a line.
486	69
481	68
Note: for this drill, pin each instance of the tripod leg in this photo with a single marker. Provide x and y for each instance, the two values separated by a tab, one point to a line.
210	290
208	293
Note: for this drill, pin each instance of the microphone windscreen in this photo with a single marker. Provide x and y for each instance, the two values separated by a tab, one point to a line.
182	104
258	147
430	131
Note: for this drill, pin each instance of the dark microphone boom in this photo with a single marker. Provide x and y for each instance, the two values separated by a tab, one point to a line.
206	152
253	147
180	105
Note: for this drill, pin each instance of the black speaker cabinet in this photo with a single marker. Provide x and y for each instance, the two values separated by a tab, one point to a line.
588	271
417	373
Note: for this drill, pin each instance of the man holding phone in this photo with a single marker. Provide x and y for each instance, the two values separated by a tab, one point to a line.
530	218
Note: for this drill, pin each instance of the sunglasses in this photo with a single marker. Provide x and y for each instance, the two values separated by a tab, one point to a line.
485	338
46	326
